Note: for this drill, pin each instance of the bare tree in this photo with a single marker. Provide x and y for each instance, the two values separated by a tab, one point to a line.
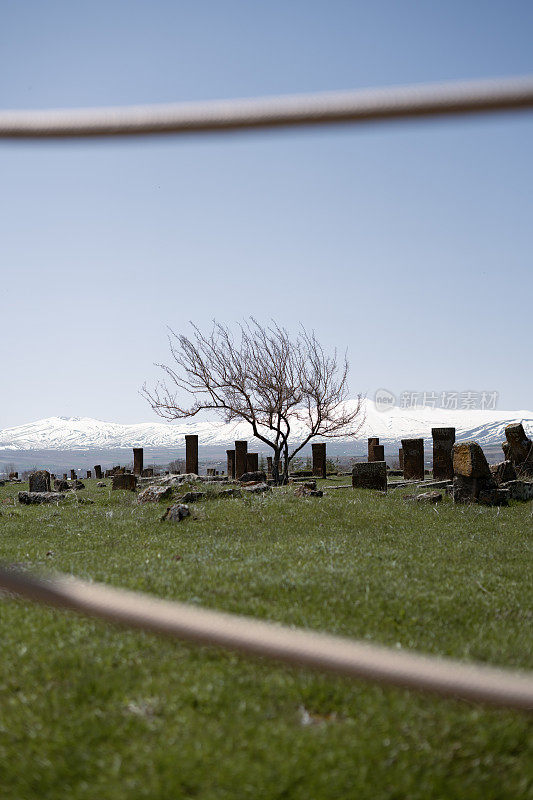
266	378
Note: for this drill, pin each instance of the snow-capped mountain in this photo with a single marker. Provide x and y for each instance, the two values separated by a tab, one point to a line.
84	433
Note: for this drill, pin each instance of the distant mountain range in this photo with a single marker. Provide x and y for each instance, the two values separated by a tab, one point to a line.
86	434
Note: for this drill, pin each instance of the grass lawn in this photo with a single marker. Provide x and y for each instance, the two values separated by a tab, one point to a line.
90	711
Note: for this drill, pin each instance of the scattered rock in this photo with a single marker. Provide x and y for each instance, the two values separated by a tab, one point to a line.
519	490
77	485
101	484
192	497
316	493
429	497
229	493
61	485
35	498
503	472
175	513
257	488
253	477
152	494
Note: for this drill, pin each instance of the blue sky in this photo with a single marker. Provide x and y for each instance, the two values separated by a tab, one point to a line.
409	243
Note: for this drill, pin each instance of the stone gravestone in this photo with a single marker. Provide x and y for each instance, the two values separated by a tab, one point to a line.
191	453
443	442
400	458
89	473
40	481
124	481
379	452
373	441
370	475
230	457
98	472
269	466
148	472
64	476
73	475
241	450
319	459
473	480
518	448
137	460
252	462
413	459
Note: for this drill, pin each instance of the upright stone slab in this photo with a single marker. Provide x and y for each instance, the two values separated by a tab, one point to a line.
89	474
269	466
148	472
241	452
370	475
319	459
138	457
40	481
373	441
98	472
413	459
230	459
518	448
473	480
252	462
443	442
73	475
379	452
191	453
64	476
400	457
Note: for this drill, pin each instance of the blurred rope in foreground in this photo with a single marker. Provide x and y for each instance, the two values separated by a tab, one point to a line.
364	105
297	647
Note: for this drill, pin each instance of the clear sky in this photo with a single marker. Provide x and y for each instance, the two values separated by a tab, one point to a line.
408	243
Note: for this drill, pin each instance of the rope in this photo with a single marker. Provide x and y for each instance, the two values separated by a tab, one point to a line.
313	109
297	647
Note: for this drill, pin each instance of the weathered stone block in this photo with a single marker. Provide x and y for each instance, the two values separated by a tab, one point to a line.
152	494
370	475
373	441
469	461
400	458
98	472
519	490
257	476
503	472
138	457
379	452
413	459
252	462
230	463
318	450
443	442
35	498
191	453
241	451
127	482
40	481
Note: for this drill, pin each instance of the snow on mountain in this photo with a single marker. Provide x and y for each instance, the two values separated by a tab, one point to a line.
84	433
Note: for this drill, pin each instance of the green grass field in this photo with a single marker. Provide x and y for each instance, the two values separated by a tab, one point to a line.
90	711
